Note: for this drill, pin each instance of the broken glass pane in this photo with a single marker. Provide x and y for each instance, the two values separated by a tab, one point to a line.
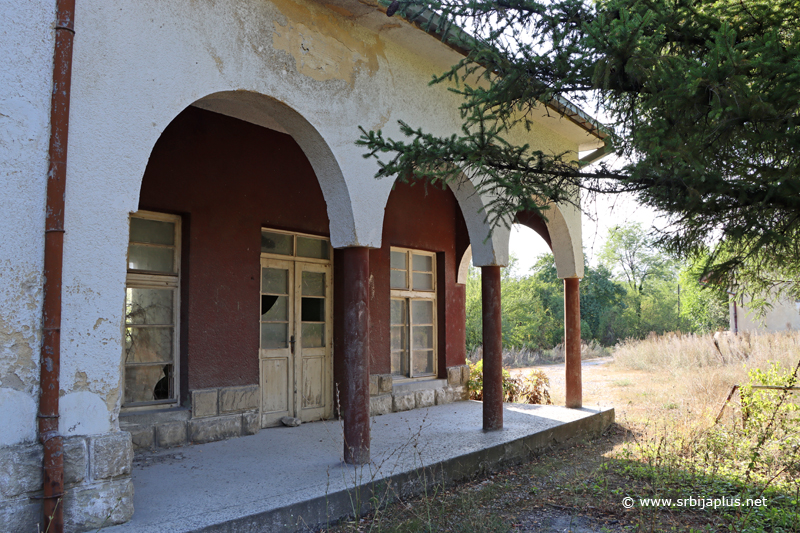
274	308
152	231
314	248
148	345
275	280
313	284
313	310
273	336
148	383
149	306
313	335
276	243
151	258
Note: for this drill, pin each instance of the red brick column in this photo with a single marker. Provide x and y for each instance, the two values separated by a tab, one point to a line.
492	349
354	399
572	342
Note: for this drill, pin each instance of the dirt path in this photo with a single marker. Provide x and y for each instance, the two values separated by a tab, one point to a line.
596	377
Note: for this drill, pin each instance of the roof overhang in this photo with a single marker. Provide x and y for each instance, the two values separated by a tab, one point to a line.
446	50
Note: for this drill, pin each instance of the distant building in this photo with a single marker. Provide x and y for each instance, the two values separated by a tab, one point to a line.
784	315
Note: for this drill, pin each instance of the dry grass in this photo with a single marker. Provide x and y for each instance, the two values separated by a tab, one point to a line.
527	357
697	372
666	391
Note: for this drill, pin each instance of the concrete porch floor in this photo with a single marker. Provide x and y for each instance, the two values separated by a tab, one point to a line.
286	479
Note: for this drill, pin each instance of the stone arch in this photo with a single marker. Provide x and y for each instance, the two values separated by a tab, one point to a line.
270	113
566	239
488	245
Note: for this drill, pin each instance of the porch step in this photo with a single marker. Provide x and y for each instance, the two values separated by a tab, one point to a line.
293	479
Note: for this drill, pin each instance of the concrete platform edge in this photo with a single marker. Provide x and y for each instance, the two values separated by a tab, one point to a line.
328	510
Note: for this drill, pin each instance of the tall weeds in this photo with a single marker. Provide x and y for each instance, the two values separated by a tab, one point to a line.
705	367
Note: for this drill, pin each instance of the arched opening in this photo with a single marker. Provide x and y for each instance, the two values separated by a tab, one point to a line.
229	293
417	305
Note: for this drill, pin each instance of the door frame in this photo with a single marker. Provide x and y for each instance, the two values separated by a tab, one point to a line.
296	265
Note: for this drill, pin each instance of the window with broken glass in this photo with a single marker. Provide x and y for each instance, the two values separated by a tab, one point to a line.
151	310
413	313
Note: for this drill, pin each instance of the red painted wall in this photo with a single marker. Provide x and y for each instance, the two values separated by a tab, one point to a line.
228	178
422	217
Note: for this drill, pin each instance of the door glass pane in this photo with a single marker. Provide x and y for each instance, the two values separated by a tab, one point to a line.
152	231
422	263
313	284
148	345
423	282
277	243
314	248
148	383
152	258
422	337
423	362
313	310
399	260
398	279
313	335
398	315
422	311
275	280
274	308
149	306
273	336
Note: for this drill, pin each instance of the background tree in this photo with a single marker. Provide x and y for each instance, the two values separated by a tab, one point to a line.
704	308
701	97
650	276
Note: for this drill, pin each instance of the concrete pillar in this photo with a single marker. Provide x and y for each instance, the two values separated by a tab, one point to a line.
354	407
572	342
492	349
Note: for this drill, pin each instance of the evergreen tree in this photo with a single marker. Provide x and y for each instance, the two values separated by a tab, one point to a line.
702	98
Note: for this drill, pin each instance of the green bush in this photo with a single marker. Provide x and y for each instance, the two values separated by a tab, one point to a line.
532	388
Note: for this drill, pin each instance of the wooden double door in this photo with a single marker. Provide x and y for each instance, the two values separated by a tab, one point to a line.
296	331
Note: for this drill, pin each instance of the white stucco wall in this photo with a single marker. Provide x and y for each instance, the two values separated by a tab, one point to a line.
298	67
26	53
784	316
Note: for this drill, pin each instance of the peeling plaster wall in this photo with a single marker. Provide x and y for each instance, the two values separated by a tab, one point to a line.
137	65
26	53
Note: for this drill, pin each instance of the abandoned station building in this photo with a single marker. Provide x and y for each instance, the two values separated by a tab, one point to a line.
193	246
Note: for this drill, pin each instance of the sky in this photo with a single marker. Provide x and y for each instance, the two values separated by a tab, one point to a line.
608	211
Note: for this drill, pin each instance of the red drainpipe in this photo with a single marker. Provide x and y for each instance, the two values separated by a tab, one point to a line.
53	464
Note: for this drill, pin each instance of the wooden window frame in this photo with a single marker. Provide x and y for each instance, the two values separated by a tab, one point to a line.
409	295
294	255
143	279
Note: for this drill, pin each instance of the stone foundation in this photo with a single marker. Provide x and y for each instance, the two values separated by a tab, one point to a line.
387	396
214	414
227	412
98	491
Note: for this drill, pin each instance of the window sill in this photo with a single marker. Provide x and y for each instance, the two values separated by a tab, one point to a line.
409	385
151	417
